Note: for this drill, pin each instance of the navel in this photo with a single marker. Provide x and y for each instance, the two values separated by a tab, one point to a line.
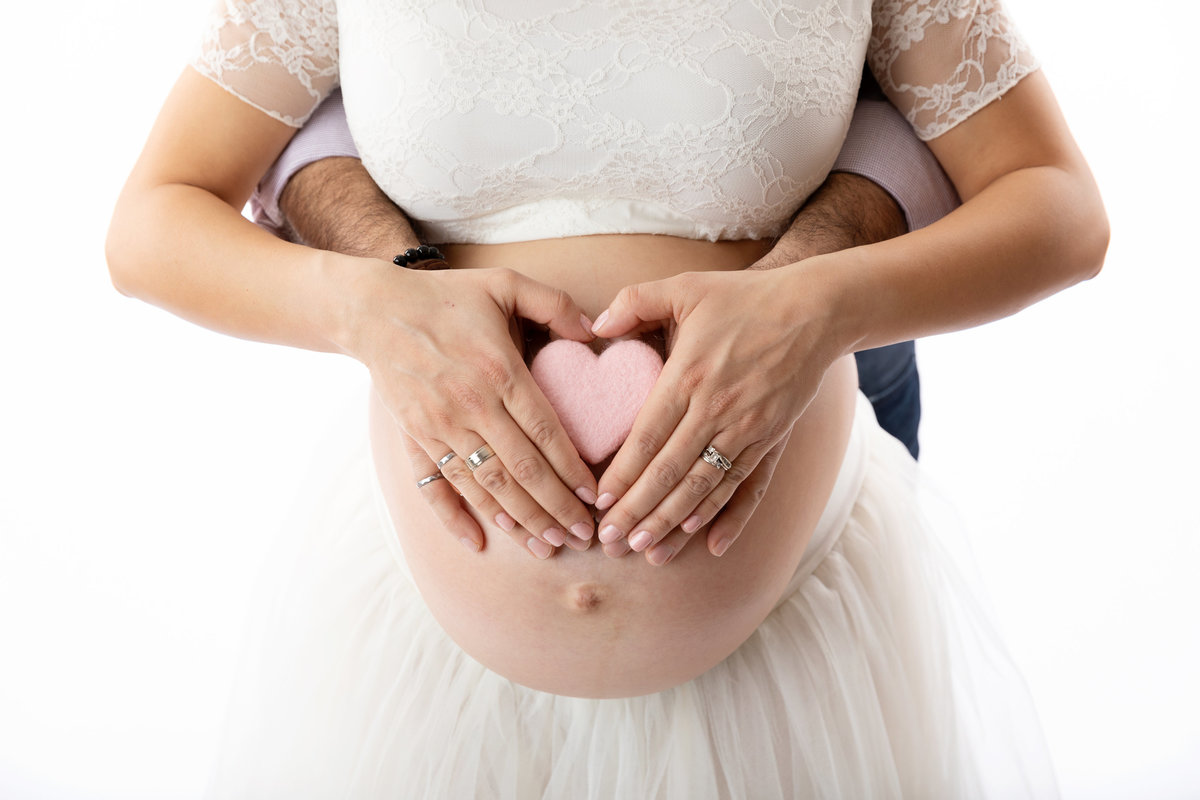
586	596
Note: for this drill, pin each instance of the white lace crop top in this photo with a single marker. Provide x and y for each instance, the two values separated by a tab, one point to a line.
508	120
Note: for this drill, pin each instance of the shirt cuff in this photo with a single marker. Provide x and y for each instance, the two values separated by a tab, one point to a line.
882	147
325	135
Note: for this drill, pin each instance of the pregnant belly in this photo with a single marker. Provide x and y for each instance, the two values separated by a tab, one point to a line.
581	623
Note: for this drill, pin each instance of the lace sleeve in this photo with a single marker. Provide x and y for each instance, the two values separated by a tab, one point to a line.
940	61
280	56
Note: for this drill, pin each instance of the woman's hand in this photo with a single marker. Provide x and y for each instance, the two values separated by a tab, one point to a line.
440	349
749	352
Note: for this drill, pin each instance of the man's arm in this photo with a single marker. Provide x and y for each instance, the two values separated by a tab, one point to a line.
885	182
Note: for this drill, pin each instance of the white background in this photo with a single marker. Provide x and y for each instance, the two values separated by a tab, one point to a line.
145	463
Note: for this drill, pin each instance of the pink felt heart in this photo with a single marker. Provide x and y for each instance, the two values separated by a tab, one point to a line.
596	397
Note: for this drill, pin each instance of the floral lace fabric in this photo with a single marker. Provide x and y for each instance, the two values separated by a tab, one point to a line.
939	61
506	120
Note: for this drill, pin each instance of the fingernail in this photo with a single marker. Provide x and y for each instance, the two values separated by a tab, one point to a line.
578	544
586	495
611	533
641	540
605	502
470	544
587	323
600	320
691	524
555	537
617	549
721	547
505	521
582	530
661	554
539	548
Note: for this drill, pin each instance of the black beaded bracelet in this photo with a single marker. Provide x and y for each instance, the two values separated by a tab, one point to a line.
413	256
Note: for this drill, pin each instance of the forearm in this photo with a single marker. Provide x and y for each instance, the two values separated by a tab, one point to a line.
334	204
846	211
1027	236
191	253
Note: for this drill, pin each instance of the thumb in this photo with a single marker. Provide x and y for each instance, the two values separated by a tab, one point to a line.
549	306
638	307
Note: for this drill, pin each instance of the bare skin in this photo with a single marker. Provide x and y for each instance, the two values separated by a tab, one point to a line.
757	356
614	635
335	205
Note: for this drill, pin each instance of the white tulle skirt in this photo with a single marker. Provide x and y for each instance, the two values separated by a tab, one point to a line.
876	676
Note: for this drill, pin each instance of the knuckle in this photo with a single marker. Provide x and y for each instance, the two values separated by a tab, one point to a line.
699	484
723	400
456	472
526	469
560	302
692	376
504	278
664	474
461	394
542	432
738	472
495	481
562	510
495	371
646	444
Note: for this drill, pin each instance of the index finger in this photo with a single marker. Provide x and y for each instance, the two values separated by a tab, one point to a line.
653	427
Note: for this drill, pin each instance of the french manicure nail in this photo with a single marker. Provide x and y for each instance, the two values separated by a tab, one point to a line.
470	544
691	523
582	530
575	543
641	540
611	533
587	323
721	547
555	537
539	548
505	521
661	554
600	320
605	502
586	495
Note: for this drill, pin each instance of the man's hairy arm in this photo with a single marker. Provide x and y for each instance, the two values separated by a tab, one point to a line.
333	204
847	210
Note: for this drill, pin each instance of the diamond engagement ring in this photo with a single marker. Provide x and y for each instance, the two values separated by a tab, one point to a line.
714	457
478	457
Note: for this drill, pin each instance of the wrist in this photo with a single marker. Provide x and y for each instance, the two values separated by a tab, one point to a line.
354	289
822	289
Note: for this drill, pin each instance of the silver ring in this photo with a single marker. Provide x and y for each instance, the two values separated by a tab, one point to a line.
714	457
478	457
421	484
444	460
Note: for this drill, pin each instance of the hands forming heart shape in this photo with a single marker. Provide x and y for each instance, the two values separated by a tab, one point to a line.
596	397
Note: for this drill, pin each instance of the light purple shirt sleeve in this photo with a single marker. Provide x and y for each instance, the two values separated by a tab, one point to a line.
882	147
325	135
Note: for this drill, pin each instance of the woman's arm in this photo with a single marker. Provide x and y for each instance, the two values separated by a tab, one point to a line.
751	348
437	343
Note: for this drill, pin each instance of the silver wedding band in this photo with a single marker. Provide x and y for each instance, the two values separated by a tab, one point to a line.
429	479
478	457
444	460
714	457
